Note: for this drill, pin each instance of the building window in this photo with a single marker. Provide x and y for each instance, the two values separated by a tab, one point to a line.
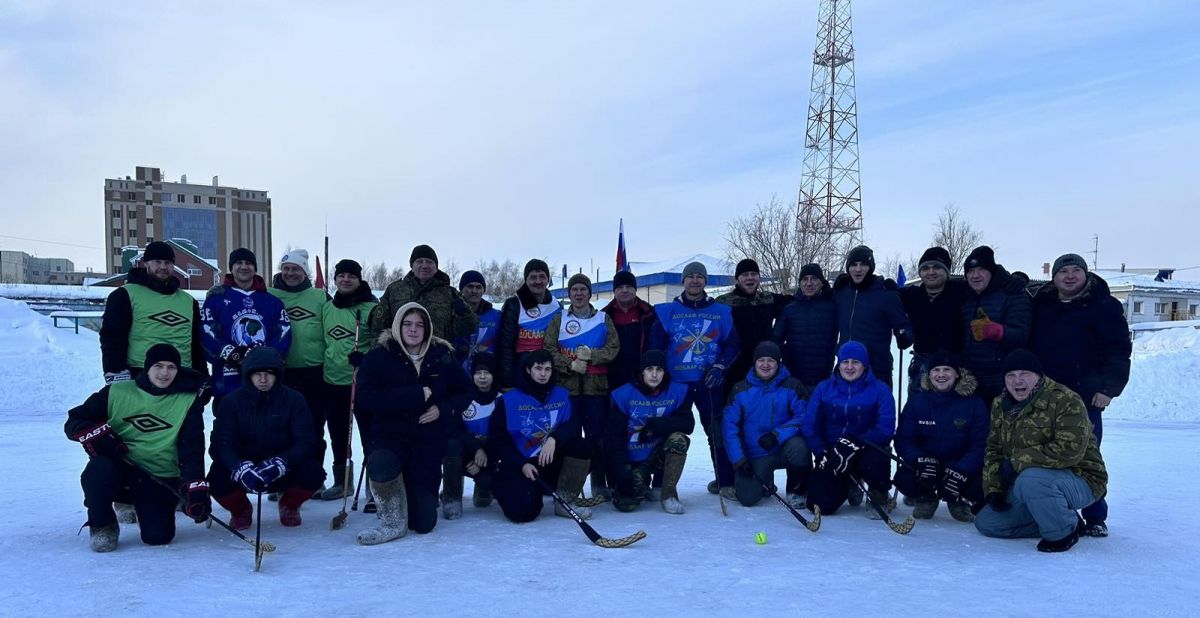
149	239
149	202
116	232
166	197
195	199
1160	308
1137	307
149	221
212	201
179	198
132	234
116	195
132	196
116	251
116	213
193	271
132	213
1192	310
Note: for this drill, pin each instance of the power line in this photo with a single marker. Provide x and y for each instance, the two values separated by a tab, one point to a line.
52	242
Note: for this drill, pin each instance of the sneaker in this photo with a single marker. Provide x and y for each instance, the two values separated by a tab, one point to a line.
924	509
797	501
104	538
961	512
1097	530
712	488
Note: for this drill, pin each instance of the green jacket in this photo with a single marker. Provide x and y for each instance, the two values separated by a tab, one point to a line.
452	318
1051	430
589	383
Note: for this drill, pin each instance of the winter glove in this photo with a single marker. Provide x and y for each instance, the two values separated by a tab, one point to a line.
745	469
928	467
120	376
579	366
204	395
982	327
1007	472
843	454
199	504
768	441
998	502
355	358
953	482
904	340
583	353
99	440
714	377
271	470
246	476
234	355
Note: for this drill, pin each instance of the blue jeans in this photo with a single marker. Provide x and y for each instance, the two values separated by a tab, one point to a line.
1043	503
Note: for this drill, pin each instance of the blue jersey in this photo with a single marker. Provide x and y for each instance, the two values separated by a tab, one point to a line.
698	337
477	415
530	421
638	408
483	339
235	317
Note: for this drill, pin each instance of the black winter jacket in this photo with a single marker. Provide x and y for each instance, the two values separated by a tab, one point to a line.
870	313
807	332
1006	302
1084	343
255	426
937	321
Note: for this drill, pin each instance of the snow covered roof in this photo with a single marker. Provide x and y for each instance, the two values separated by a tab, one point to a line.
1126	281
715	266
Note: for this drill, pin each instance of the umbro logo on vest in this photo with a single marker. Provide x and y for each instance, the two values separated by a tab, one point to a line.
299	313
340	332
147	423
168	318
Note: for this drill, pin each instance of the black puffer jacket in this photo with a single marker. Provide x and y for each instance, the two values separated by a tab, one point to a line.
936	321
870	313
1084	343
254	426
1006	302
807	332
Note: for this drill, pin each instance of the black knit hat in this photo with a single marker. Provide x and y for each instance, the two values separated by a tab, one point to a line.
861	253
158	250
534	265
348	266
981	257
242	254
469	277
422	251
653	358
813	270
579	278
624	278
942	358
935	255
483	361
746	266
1022	360
769	349
162	352
1068	259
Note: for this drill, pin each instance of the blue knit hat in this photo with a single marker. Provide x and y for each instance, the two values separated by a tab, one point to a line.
853	350
471	276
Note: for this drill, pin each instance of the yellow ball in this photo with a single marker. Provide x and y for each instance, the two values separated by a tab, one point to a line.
761	538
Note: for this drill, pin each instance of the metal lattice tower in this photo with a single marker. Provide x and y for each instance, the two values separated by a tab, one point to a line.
830	203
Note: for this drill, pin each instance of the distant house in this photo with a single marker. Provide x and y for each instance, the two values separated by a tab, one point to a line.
1153	297
662	281
192	271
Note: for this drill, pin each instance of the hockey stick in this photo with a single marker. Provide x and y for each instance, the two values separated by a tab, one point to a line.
267	546
903	528
915	471
813	525
588	530
712	427
362	472
258	552
339	520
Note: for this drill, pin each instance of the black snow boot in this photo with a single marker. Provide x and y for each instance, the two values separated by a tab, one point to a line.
452	487
1063	544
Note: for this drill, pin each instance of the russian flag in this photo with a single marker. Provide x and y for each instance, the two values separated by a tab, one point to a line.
622	261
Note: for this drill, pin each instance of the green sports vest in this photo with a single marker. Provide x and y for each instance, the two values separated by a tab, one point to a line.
149	425
158	318
304	310
339	339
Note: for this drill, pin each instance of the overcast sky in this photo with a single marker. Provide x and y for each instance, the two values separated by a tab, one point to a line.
522	129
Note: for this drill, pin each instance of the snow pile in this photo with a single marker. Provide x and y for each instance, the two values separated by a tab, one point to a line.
44	370
1161	383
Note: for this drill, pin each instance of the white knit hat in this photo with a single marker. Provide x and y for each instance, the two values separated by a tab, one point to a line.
299	257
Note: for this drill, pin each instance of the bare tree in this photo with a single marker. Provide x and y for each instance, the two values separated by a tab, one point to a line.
379	276
956	235
452	270
781	243
503	278
888	268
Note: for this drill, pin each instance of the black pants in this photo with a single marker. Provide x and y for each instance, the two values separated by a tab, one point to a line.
594	411
310	381
104	477
829	491
337	416
520	498
454	448
422	469
908	485
305	474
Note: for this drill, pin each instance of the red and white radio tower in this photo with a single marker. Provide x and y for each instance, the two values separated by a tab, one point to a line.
830	203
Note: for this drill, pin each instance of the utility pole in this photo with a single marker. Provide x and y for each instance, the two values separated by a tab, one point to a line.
1095	251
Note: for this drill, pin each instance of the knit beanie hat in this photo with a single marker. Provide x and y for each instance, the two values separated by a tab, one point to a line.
769	349
579	278
484	361
242	254
162	352
471	276
158	250
812	270
422	251
624	278
348	266
1068	259
853	350
937	256
1022	360
695	268
535	265
746	266
653	358
942	358
981	257
299	257
861	253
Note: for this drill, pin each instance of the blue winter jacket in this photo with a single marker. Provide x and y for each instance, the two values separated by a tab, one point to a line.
695	335
234	317
863	409
807	333
870	313
757	407
951	427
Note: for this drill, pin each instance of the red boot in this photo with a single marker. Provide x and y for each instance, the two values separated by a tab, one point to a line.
289	505
241	514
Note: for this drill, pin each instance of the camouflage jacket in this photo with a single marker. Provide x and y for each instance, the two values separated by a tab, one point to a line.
590	383
1050	430
451	317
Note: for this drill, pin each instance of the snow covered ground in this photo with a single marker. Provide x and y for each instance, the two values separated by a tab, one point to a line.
697	563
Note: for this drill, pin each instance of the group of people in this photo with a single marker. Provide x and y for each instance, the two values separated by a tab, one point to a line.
1002	419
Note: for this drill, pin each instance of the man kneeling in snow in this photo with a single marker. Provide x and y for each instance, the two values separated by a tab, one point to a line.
1041	463
143	436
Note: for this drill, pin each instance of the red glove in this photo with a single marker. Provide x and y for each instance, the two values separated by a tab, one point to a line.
199	504
993	331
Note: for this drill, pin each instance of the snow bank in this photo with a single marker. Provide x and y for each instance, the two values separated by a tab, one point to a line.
1162	384
44	370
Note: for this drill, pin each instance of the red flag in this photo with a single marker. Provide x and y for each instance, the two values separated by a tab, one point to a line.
320	279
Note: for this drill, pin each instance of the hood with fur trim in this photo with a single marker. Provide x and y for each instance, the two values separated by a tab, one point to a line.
393	334
965	386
